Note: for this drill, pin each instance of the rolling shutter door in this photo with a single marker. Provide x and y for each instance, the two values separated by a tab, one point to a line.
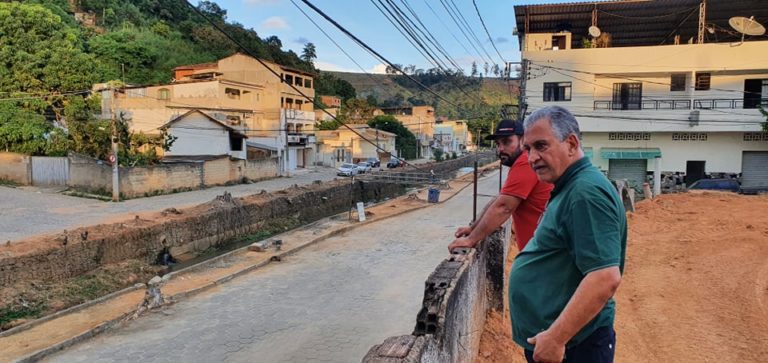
754	171
634	170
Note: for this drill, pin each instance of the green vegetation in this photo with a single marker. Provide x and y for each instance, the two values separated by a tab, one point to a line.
50	61
405	141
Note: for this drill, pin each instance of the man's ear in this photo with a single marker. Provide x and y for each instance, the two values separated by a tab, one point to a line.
573	144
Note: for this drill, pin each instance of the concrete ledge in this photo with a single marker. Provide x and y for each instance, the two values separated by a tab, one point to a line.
457	297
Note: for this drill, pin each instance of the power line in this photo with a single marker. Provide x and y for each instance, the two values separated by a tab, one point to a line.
487	32
447	28
215	25
458	25
470	29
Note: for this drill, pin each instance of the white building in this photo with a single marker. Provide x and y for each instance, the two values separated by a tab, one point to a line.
666	80
198	134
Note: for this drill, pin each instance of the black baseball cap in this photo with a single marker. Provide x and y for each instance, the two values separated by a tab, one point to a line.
506	128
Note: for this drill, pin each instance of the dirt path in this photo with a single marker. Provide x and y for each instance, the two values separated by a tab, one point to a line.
695	286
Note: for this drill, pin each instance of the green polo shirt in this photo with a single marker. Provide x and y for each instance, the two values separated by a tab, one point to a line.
583	229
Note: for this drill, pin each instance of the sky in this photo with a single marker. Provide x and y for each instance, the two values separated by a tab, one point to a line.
364	20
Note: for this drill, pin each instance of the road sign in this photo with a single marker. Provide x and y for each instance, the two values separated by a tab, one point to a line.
112	159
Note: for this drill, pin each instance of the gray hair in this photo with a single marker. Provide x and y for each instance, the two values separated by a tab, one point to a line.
562	121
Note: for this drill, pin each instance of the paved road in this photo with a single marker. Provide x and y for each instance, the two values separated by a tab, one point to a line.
29	211
329	303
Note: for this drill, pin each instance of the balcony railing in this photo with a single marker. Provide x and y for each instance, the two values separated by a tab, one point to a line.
643	105
677	104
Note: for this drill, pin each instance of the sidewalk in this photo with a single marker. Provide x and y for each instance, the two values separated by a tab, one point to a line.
82	322
29	211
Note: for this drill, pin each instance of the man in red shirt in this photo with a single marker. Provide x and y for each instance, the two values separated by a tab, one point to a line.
523	196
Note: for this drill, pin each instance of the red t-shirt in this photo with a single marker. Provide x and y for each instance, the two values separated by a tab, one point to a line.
523	183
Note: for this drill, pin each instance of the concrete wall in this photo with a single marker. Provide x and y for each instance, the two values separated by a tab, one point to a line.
92	176
214	223
198	135
89	175
16	168
457	298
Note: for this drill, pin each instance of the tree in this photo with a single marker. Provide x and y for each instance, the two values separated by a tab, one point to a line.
474	70
405	141
486	68
212	10
496	70
765	114
274	41
21	130
356	110
309	53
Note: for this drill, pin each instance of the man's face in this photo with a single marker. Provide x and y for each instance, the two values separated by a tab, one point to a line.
508	148
549	157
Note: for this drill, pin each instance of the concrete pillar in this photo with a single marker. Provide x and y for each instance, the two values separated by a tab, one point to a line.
656	176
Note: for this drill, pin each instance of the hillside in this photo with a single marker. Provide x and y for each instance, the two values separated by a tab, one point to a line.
482	96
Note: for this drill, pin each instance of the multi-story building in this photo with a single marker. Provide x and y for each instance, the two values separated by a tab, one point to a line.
666	86
240	92
343	145
332	106
420	120
451	136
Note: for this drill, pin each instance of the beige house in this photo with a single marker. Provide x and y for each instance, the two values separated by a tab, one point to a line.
670	95
342	145
451	136
420	120
238	91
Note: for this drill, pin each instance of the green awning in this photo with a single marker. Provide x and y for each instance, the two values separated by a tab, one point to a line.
630	153
589	153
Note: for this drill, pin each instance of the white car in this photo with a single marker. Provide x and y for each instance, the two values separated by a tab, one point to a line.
364	167
347	169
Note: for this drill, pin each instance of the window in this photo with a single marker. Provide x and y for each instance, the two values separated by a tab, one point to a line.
702	81
677	82
558	42
164	94
629	136
756	136
755	93
627	96
232	93
288	79
689	136
235	142
308	83
557	91
299	81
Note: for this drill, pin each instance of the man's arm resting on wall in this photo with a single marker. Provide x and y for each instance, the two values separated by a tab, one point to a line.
590	297
495	215
466	230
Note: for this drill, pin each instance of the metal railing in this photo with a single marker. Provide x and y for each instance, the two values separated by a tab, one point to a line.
650	104
678	104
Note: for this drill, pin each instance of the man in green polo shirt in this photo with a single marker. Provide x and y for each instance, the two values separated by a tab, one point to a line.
562	283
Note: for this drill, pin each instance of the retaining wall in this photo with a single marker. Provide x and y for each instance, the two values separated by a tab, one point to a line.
457	298
195	229
16	168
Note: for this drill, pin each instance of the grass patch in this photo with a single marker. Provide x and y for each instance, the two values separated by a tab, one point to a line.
9	183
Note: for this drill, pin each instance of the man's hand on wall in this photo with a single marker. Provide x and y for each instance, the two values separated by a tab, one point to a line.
462	242
463	231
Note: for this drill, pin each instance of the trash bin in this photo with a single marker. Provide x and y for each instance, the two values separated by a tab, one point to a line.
434	195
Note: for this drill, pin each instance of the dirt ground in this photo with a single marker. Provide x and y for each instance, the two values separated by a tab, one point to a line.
695	285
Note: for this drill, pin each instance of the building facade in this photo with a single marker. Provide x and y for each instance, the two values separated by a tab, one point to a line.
653	95
344	146
240	92
420	120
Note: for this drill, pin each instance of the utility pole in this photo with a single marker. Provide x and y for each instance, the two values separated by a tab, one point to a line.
114	160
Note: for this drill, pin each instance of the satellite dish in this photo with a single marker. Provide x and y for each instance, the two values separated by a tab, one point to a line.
594	31
746	26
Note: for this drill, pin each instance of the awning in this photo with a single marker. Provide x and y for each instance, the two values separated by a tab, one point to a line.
588	152
630	153
260	146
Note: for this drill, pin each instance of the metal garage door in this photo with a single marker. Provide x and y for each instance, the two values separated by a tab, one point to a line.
50	171
631	169
754	171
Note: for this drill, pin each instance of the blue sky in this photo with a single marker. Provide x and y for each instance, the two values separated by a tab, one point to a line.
282	18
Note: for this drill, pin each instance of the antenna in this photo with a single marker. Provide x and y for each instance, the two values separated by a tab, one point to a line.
746	26
594	31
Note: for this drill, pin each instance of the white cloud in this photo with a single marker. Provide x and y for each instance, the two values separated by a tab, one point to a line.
325	66
261	2
275	22
379	68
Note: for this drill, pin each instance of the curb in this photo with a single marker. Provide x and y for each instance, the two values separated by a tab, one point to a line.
113	323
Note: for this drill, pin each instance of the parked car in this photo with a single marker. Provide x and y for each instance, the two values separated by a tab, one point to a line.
730	185
364	167
375	162
347	169
393	163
